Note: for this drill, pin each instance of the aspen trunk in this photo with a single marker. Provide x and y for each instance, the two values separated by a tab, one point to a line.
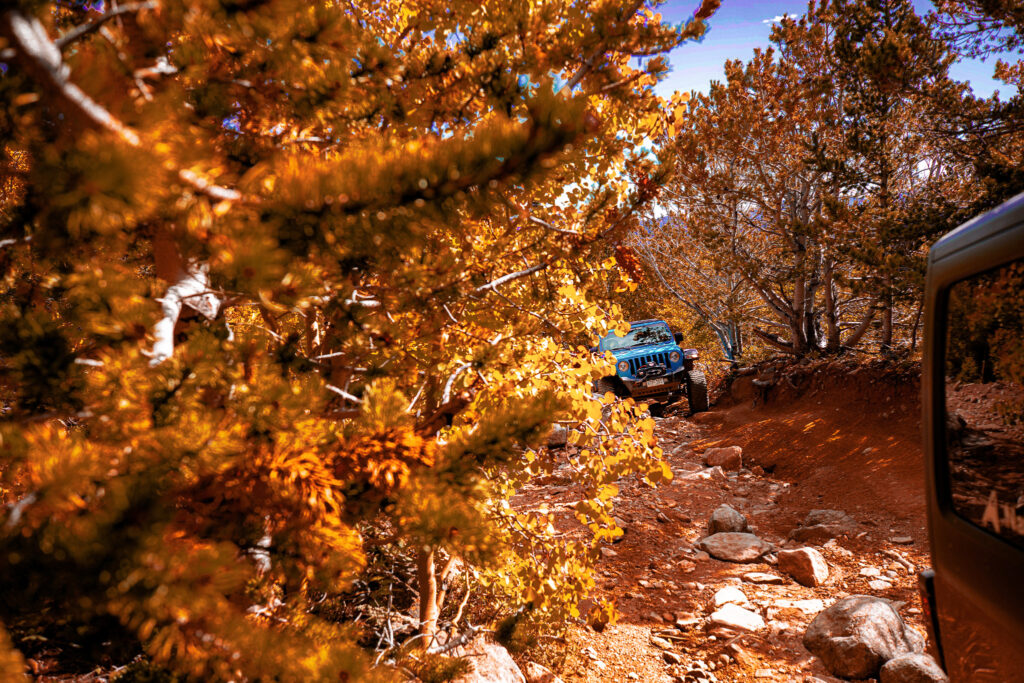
886	342
427	580
832	339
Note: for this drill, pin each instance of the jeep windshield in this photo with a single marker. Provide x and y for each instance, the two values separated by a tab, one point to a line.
638	336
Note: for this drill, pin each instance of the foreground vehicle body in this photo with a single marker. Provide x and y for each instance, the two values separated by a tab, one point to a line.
651	367
973	410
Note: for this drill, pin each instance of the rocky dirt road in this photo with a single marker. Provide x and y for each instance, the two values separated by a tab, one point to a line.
835	441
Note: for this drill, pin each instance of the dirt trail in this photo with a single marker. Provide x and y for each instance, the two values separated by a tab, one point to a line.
834	441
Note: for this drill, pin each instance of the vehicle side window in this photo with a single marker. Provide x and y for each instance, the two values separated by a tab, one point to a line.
984	368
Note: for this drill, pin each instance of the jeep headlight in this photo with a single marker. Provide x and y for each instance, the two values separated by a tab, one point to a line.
623	366
673	357
690	354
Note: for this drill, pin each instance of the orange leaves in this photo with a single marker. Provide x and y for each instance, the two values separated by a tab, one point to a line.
382	461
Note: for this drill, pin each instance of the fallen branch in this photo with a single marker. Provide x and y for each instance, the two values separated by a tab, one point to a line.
899	558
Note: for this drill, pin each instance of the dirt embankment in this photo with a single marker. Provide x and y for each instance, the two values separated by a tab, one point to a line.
839	433
826	436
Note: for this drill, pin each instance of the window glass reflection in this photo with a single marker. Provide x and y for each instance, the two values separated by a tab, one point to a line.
985	400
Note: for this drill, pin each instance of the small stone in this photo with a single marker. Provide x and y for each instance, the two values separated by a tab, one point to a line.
729	595
822	525
763	578
810	606
558	436
688	623
608	552
902	540
734	547
725	518
764	673
729	458
489	662
663	518
736	618
671	657
653	616
701	556
912	668
870	571
633	676
879	585
535	673
757	471
661	642
710	474
805	565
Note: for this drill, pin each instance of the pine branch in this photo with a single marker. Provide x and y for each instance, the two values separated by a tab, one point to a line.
42	59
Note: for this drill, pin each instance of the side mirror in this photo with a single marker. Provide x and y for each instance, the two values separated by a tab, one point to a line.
678	336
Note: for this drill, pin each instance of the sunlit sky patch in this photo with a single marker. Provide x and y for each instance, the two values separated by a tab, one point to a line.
741	25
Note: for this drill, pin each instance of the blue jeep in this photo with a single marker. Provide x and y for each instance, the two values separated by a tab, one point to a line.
651	367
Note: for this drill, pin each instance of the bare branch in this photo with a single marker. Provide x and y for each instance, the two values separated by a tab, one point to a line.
91	26
512	276
41	57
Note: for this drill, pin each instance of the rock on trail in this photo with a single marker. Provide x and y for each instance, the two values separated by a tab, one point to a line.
912	668
823	525
857	635
734	546
729	458
805	565
725	518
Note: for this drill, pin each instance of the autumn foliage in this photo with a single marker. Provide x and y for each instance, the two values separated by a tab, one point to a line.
810	182
291	295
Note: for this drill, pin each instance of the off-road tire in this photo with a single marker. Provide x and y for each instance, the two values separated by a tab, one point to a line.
697	391
604	385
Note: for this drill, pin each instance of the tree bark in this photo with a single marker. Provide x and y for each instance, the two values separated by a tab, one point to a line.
832	340
427	579
886	342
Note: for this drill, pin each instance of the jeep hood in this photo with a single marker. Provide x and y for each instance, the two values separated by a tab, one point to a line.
640	351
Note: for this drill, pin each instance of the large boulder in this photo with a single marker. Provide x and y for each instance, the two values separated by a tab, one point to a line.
822	525
734	547
728	458
857	635
805	565
912	668
725	518
491	663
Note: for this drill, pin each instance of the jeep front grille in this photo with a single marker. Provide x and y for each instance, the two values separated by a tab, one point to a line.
636	363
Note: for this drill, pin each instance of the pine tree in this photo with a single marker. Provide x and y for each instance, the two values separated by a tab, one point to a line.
289	284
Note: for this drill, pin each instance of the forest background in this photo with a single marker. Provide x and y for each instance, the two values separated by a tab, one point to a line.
293	292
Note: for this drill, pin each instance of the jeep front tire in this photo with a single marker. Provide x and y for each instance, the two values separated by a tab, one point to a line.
697	391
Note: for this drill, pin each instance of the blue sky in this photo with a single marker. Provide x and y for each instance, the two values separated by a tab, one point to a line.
741	25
